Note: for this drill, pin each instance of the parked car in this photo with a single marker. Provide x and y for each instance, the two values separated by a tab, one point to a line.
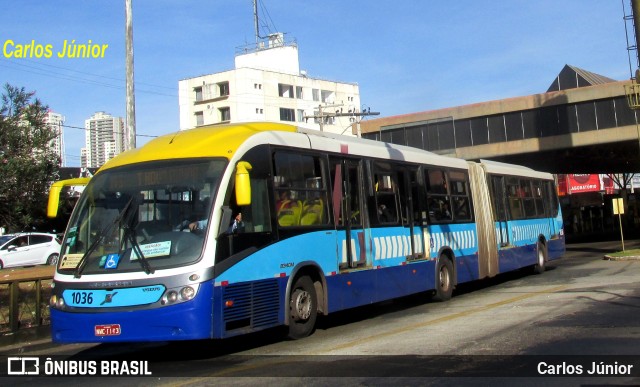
33	248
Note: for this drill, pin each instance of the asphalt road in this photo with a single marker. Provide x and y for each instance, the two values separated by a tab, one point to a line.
515	329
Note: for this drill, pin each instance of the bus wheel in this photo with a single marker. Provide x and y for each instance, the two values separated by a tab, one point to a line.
444	280
303	308
538	268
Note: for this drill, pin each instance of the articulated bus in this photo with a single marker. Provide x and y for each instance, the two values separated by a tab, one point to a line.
219	231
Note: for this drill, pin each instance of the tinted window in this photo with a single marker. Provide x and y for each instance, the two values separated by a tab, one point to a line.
37	239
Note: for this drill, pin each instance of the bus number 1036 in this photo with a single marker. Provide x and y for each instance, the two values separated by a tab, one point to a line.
82	298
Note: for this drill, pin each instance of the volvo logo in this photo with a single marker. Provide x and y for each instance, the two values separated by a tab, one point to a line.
108	298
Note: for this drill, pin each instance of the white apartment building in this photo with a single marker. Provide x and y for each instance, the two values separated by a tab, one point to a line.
55	122
268	85
104	139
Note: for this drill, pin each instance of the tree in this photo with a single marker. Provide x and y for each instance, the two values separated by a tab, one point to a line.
622	180
28	164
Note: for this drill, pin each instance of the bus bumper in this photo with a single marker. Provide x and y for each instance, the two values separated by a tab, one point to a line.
190	320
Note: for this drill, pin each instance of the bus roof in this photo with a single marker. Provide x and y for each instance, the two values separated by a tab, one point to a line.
499	168
205	141
226	140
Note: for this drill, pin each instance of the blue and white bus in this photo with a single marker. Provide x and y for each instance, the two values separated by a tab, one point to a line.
219	231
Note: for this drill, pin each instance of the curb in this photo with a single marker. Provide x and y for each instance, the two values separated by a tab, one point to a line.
25	338
628	258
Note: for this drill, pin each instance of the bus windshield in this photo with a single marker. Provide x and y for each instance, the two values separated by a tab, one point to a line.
142	217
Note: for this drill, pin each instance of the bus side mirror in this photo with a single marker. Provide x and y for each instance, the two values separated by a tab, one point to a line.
56	190
243	184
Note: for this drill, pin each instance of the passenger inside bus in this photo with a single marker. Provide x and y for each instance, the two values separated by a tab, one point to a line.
288	209
312	212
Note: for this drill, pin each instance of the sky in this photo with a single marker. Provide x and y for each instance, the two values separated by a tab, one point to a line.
406	55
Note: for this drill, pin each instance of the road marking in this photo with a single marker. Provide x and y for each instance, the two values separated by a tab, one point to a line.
270	361
443	319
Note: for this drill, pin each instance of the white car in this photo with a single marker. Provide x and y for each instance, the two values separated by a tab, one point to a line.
26	249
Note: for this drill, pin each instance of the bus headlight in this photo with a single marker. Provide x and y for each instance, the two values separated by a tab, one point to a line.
171	297
57	302
187	293
179	294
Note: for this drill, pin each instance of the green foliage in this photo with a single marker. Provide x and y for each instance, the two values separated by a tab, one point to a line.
28	165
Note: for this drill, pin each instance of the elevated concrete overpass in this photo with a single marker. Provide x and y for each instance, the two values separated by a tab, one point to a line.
580	130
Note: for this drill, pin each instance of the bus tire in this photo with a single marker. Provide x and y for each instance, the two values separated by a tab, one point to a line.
444	280
541	252
303	308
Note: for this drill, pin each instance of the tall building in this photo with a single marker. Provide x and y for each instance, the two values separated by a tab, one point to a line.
104	139
55	122
268	85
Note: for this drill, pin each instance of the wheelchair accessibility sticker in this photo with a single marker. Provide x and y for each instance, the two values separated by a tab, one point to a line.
110	261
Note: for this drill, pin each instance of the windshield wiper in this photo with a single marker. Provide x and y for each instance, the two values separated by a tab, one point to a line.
131	235
83	261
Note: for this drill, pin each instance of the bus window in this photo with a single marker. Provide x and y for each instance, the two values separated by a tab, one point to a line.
498	198
527	198
257	217
300	190
538	196
459	183
438	202
345	198
515	195
552	198
386	189
419	198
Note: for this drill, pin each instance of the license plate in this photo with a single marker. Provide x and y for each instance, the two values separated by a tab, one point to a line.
107	330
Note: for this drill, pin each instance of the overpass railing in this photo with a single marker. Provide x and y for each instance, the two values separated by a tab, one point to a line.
24	298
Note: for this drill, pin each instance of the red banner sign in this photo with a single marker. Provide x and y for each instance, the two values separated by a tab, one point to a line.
583	183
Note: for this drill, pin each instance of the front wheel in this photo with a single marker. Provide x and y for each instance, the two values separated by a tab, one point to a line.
303	308
444	280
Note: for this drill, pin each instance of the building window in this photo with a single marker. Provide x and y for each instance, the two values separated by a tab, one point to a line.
198	91
328	96
285	91
223	88
199	118
287	115
299	94
300	115
315	93
257	86
225	114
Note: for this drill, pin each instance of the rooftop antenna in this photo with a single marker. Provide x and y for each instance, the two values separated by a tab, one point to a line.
255	21
267	23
